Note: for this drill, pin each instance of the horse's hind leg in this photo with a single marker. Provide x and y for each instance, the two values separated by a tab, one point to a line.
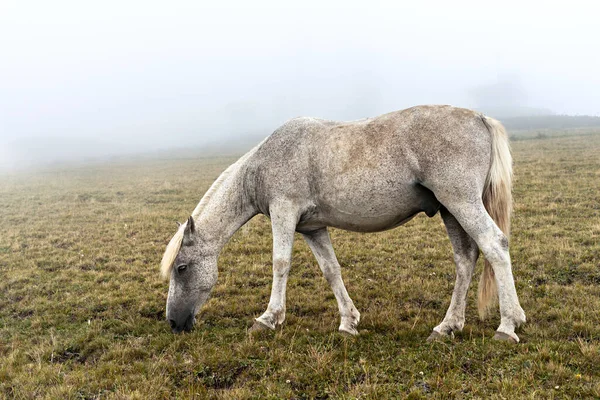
283	220
475	220
466	253
320	244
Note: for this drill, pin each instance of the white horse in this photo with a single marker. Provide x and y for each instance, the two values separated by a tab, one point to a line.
367	176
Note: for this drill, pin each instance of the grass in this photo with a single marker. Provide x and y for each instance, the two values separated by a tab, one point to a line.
82	304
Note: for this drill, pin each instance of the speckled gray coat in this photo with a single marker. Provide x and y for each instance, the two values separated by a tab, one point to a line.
368	175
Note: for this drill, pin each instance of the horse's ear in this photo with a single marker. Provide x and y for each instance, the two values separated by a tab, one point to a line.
190	228
188	232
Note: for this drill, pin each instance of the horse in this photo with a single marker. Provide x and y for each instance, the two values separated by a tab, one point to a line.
366	175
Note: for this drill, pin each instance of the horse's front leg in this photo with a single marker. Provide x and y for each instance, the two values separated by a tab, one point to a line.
283	220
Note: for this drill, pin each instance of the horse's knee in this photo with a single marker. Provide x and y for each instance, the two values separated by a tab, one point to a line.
281	267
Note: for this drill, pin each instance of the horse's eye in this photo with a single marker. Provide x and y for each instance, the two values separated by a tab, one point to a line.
181	267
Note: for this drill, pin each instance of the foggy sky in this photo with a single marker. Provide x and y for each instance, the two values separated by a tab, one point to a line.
114	76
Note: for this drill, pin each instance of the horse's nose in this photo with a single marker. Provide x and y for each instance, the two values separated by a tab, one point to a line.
186	325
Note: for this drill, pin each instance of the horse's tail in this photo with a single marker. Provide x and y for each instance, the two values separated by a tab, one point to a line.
497	199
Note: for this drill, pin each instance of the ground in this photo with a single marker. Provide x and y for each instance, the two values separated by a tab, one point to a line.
82	303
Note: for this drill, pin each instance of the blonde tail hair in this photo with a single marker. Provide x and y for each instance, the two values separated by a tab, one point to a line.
497	199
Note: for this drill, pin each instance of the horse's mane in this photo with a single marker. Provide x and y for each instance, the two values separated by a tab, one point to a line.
175	243
166	264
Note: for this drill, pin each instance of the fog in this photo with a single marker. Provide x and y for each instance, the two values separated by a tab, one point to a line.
80	80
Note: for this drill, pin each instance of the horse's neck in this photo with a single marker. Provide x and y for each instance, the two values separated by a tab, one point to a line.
227	209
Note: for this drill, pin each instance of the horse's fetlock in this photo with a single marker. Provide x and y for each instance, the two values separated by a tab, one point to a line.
277	315
356	314
456	326
519	317
350	321
352	314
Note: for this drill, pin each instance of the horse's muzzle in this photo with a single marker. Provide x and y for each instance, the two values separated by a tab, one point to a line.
184	325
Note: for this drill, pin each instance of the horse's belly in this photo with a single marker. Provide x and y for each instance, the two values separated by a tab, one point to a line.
369	211
376	223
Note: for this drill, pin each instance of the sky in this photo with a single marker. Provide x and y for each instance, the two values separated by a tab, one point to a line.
81	78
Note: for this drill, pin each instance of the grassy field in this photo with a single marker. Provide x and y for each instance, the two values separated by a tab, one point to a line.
82	304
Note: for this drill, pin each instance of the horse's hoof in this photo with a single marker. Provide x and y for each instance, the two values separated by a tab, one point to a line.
436	337
258	327
505	337
348	332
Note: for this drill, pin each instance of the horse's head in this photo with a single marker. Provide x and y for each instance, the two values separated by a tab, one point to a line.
192	270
